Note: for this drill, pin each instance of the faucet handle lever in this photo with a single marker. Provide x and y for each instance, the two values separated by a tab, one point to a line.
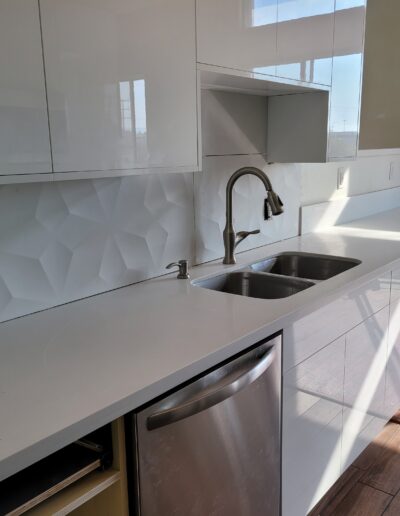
241	235
183	268
247	233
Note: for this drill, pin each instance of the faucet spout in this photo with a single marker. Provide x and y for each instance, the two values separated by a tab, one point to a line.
229	235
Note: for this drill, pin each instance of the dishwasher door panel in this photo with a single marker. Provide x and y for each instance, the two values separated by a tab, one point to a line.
218	460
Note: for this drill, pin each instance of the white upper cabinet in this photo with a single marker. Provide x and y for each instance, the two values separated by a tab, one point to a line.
292	39
380	106
346	79
322	43
238	34
305	40
24	130
122	86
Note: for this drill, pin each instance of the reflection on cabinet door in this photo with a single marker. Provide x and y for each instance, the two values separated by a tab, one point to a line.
305	40
122	84
24	130
322	326
364	385
346	80
239	34
312	425
392	394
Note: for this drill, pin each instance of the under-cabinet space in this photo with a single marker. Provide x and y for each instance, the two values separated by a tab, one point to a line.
284	128
297	128
86	477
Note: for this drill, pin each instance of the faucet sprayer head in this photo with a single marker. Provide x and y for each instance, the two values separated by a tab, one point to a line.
275	203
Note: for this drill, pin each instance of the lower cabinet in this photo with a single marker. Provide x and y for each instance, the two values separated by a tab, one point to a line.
333	406
86	478
327	323
364	385
311	428
392	394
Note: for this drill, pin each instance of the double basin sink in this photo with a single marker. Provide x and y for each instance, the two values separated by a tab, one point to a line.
279	276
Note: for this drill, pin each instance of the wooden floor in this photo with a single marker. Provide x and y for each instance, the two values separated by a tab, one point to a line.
371	485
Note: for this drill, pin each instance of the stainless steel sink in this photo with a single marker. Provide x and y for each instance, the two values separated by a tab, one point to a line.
305	265
279	276
252	284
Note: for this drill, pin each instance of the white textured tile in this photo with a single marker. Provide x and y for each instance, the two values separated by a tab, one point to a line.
248	204
65	241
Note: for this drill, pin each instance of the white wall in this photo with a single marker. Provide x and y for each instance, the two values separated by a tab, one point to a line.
366	174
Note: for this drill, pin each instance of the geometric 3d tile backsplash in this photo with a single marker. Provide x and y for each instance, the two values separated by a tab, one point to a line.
68	240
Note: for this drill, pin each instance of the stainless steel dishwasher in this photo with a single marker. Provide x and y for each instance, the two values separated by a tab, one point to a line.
213	446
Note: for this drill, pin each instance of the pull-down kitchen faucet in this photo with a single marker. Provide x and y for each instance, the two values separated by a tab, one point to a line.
276	206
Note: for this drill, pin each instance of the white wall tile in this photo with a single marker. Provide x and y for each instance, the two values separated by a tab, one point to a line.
248	204
65	241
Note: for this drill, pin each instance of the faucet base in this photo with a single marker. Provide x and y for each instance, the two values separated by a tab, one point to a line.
229	261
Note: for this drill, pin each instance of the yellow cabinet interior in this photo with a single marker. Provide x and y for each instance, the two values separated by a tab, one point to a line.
101	493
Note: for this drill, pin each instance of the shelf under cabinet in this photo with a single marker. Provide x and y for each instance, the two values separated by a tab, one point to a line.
76	494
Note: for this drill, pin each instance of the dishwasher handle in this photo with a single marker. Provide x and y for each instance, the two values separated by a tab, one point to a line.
210	398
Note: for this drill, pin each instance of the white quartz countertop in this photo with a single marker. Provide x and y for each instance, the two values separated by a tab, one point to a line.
70	369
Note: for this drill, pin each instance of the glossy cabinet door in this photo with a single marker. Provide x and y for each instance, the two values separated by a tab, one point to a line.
392	394
364	385
311	428
380	108
238	34
315	330
24	130
122	86
344	113
305	40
